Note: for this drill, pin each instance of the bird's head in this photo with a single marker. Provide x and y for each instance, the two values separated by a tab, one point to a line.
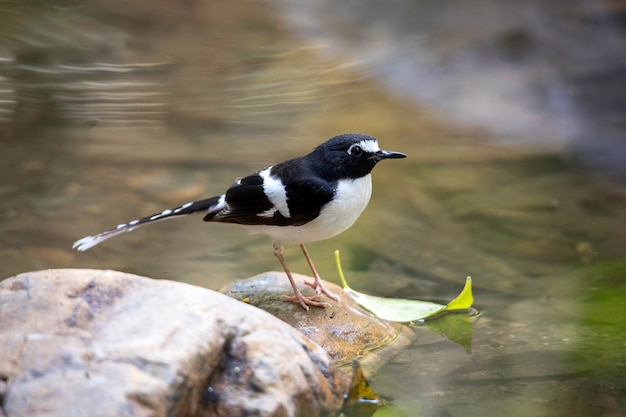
351	155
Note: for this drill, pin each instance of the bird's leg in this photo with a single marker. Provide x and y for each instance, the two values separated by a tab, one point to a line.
317	284
305	302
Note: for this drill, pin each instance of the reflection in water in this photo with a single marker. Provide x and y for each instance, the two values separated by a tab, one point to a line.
108	112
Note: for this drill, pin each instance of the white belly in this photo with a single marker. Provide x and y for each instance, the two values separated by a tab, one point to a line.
350	200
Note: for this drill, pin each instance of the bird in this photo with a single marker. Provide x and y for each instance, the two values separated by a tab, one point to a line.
305	199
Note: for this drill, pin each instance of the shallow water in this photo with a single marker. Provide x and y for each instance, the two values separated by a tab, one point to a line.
111	113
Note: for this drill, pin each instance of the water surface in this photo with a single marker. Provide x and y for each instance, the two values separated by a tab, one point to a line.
110	113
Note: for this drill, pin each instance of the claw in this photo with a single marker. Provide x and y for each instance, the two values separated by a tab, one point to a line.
305	302
319	288
317	284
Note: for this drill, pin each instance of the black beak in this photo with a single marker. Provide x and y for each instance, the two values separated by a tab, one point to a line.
380	155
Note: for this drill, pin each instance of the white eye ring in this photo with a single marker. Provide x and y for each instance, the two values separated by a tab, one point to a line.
355	150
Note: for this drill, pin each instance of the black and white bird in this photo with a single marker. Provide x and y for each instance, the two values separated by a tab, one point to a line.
305	199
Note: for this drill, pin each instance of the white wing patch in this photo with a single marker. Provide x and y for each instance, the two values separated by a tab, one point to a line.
350	200
275	192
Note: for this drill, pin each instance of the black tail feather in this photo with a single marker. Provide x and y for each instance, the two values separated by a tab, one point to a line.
202	206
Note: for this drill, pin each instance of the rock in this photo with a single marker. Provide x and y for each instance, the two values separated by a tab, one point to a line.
105	343
344	329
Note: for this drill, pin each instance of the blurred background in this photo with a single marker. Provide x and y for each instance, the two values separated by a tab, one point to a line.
511	113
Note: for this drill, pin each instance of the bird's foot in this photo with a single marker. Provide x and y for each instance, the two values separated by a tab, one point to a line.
319	288
305	302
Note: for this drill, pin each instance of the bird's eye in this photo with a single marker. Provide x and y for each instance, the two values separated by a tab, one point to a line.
355	150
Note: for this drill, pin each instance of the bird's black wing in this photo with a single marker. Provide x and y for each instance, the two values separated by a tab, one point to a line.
306	198
247	203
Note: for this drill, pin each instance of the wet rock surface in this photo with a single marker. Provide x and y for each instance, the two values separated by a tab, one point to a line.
75	341
343	329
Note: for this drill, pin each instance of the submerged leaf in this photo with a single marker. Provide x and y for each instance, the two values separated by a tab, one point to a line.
404	311
458	328
361	399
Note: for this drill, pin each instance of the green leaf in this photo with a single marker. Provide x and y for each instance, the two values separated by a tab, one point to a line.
464	300
459	328
405	311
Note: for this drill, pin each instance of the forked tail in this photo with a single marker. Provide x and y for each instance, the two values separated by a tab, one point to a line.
209	205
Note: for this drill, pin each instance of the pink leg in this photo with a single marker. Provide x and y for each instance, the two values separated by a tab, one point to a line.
305	302
317	285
